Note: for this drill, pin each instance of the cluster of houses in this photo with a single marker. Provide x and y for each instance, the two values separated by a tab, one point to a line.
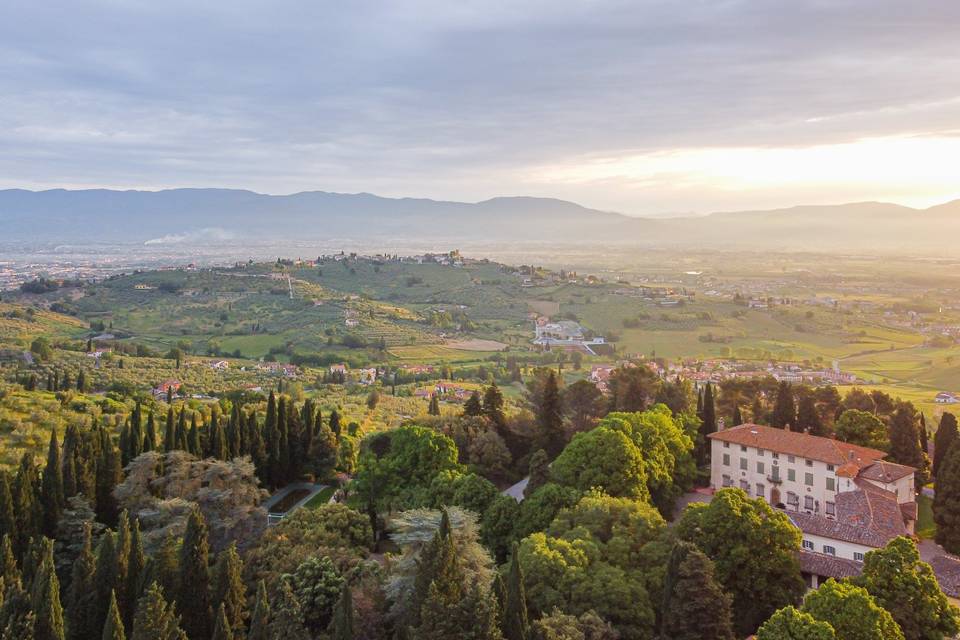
717	370
365	375
845	499
444	390
564	334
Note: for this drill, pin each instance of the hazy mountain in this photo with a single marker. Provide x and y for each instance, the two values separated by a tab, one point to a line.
227	215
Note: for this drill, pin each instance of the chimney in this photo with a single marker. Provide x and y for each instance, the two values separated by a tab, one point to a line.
721	424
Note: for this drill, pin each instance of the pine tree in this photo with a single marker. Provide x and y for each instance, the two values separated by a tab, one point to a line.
155	618
434	408
222	629
945	436
52	487
193	596
105	578
229	592
516	625
136	568
260	620
45	597
699	608
493	407
82	604
342	624
113	626
808	418
551	436
784	409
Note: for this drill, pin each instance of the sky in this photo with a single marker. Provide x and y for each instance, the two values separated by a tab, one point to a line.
643	107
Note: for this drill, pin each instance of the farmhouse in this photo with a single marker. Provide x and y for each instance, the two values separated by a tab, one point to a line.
946	398
845	499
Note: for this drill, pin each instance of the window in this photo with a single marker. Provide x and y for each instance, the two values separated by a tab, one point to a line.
727	482
831	509
759	467
793	499
745	486
829	467
760	452
830	551
743	463
743	448
726	445
808	479
776	456
791	459
726	459
858	556
808	545
809	463
831	484
808	502
791	475
761	491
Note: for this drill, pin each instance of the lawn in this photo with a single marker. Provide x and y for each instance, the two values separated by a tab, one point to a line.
925	526
320	499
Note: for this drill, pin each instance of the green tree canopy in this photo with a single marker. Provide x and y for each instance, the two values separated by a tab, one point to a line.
790	623
605	458
862	428
852	612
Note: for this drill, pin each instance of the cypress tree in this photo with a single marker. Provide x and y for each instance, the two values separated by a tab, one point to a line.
342	624
229	592
45	597
136	432
193	596
71	458
180	434
784	409
426	570
222	629
808	418
493	407
124	442
708	425
218	440
109	474
473	407
260	621
287	616
136	567
82	381
155	618
323	453
678	554
11	572
516	625
946	501
150	435
165	566
905	441
283	468
257	448
945	436
737	417
924	436
335	422
434	408
82	600
550	435
52	487
7	518
170	432
105	578
113	626
699	608
124	545
26	505
193	444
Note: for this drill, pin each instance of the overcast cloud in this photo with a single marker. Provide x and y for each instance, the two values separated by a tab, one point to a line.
631	106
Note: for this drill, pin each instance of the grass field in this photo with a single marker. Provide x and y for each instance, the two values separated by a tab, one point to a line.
925	525
320	499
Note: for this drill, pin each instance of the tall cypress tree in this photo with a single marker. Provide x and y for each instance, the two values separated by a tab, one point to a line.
924	436
193	596
335	422
52	487
433	408
323	453
218	440
946	501
109	475
550	434
155	618
26	505
493	407
180	433
737	416
45	597
945	436
271	436
170	432
426	570
82	600
287	616
260	620
699	608
784	409
808	418
516	625
222	629
136	432
342	624
150	434
905	441
113	626
708	425
71	458
283	424
136	567
257	449
229	592
7	519
165	567
105	578
124	544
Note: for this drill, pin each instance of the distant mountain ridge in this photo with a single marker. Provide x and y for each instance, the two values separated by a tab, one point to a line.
222	215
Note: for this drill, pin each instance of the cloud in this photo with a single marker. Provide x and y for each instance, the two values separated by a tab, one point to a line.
463	100
199	236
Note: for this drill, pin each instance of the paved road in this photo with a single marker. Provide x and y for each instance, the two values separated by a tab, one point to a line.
516	491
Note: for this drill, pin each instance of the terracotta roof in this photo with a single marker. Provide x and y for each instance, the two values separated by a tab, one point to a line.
885	472
799	444
910	510
822	564
868	516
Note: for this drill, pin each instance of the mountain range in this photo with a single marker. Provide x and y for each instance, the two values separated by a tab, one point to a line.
184	216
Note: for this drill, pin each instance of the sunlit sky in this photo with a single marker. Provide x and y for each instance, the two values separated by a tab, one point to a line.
648	108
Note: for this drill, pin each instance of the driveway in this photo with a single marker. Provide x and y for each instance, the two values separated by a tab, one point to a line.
314	489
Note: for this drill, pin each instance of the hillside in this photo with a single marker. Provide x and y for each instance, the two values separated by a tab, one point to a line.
205	216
